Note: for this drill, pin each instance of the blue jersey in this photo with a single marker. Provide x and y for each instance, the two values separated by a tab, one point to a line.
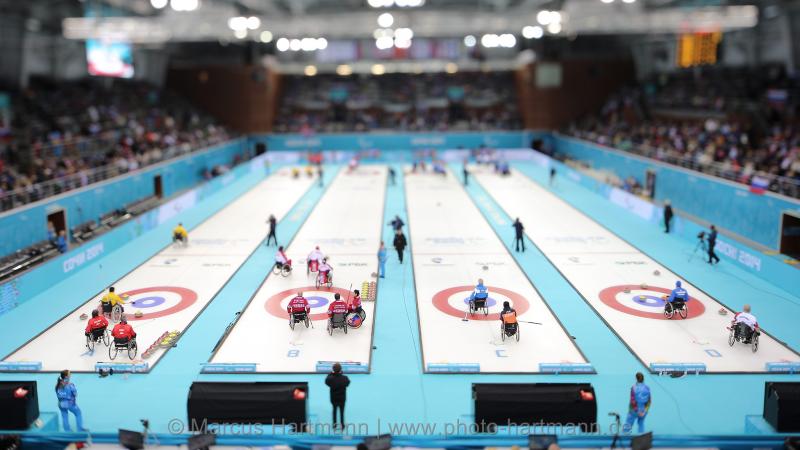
66	395
481	292
679	293
640	396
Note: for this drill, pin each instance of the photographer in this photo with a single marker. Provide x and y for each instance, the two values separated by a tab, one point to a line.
338	383
712	242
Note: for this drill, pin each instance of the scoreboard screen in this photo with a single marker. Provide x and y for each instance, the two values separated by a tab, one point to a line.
697	49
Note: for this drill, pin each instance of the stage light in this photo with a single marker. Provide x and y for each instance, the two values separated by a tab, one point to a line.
385	20
310	71
159	4
253	22
282	45
470	41
266	36
378	69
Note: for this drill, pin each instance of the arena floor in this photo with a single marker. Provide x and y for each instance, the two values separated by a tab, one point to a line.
588	278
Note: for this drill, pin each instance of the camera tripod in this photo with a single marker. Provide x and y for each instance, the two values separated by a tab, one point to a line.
701	246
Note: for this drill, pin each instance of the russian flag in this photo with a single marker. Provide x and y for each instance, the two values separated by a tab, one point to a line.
759	185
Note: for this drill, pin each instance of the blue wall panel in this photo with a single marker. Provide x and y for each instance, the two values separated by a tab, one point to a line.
395	141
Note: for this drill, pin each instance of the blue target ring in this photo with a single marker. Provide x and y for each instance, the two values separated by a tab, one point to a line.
489	302
315	301
649	300
148	302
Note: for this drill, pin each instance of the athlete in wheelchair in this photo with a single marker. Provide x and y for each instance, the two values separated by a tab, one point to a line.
356	314
111	305
744	329
313	260
478	299
283	265
509	327
337	314
299	311
324	277
180	235
96	330
124	340
676	302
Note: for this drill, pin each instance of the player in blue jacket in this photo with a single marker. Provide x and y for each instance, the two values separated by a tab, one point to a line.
639	404
481	292
678	293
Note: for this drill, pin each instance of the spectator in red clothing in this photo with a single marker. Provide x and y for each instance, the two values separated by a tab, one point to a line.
122	332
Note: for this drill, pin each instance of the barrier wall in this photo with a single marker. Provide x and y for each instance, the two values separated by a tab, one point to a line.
727	204
95	200
29	284
395	141
769	268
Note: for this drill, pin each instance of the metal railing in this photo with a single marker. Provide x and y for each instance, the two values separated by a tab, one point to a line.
35	192
789	187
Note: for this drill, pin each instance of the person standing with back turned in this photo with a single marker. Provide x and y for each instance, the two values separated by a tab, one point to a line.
639	404
338	383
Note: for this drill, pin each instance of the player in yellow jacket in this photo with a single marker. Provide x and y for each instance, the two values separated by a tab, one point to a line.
110	300
180	234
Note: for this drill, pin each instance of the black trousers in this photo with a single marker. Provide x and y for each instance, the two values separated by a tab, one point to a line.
666	224
712	257
340	407
400	254
272	236
519	241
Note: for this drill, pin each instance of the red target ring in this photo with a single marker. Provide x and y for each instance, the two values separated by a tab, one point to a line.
609	297
273	304
440	301
188	297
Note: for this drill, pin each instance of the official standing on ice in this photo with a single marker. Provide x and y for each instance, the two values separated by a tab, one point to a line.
382	261
639	404
518	239
272	224
399	243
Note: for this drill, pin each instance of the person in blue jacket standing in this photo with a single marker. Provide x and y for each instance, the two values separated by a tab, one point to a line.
639	404
382	261
66	393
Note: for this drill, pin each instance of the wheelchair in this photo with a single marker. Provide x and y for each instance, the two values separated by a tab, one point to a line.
679	306
339	320
94	337
117	347
311	266
356	318
282	269
741	332
114	314
179	240
509	330
324	279
299	317
478	304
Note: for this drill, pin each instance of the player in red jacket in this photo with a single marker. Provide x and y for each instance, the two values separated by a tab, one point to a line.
298	305
96	325
122	332
337	306
355	303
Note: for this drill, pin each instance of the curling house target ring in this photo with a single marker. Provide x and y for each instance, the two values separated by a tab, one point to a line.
610	296
187	299
315	300
441	302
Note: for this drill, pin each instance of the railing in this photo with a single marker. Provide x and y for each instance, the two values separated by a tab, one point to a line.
35	192
778	184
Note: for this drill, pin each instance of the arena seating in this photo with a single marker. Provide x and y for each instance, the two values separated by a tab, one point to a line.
463	101
743	129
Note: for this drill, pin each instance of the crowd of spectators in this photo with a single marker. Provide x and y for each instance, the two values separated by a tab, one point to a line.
75	133
759	139
401	102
